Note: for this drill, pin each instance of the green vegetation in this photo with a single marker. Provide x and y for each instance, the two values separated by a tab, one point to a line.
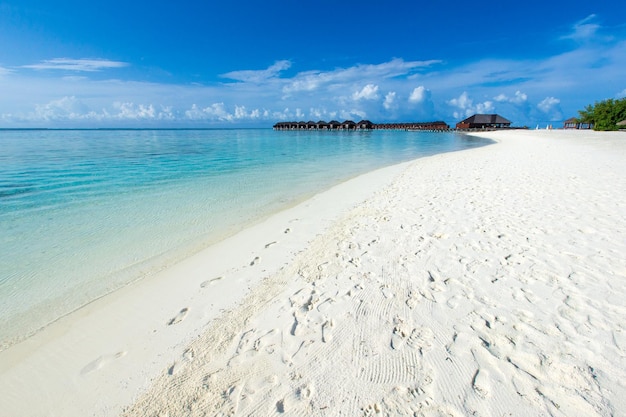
604	114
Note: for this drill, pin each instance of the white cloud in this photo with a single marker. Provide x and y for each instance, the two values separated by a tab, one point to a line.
242	114
215	111
390	99
86	65
550	106
71	109
131	111
258	76
369	92
485	107
419	94
314	80
622	94
519	98
353	114
583	30
467	107
462	102
128	111
68	108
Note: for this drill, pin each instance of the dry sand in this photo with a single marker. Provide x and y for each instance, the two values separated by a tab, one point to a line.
485	282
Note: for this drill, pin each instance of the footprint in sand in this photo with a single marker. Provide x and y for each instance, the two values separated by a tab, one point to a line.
179	317
280	406
398	337
421	338
480	383
304	392
327	331
210	282
101	362
412	299
399	334
179	365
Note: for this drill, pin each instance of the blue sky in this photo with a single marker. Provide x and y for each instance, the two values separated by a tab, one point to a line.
243	63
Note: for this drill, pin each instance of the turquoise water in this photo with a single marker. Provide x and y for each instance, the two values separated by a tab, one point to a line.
84	212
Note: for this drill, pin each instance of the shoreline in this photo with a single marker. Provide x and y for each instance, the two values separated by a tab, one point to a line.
304	291
231	266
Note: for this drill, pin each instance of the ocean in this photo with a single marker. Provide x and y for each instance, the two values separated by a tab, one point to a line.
85	212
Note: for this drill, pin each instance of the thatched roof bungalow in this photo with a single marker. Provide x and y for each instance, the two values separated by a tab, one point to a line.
365	125
361	125
334	125
348	125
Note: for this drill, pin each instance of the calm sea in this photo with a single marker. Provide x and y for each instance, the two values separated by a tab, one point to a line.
84	212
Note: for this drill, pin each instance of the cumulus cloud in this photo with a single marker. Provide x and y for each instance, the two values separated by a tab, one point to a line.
550	106
83	64
518	98
419	94
65	108
317	113
242	114
369	92
215	111
390	100
258	76
352	114
72	109
466	106
129	111
621	94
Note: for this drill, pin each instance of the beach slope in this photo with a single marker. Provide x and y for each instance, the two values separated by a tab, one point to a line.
483	282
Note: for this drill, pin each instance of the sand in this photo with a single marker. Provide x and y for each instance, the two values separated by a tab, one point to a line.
484	282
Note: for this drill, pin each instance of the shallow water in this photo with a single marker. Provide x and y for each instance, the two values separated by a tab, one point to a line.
84	212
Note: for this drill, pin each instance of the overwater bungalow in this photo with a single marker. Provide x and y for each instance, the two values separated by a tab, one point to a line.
365	125
334	125
348	125
361	125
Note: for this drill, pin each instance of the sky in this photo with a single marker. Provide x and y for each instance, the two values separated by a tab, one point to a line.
234	63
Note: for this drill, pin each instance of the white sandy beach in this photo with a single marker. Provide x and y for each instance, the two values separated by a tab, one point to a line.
485	282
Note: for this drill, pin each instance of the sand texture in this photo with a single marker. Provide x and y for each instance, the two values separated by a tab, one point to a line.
487	282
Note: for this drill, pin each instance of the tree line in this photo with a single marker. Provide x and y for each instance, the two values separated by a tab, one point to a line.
604	115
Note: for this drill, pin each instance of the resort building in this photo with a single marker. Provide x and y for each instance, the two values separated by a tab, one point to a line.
484	121
574	123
